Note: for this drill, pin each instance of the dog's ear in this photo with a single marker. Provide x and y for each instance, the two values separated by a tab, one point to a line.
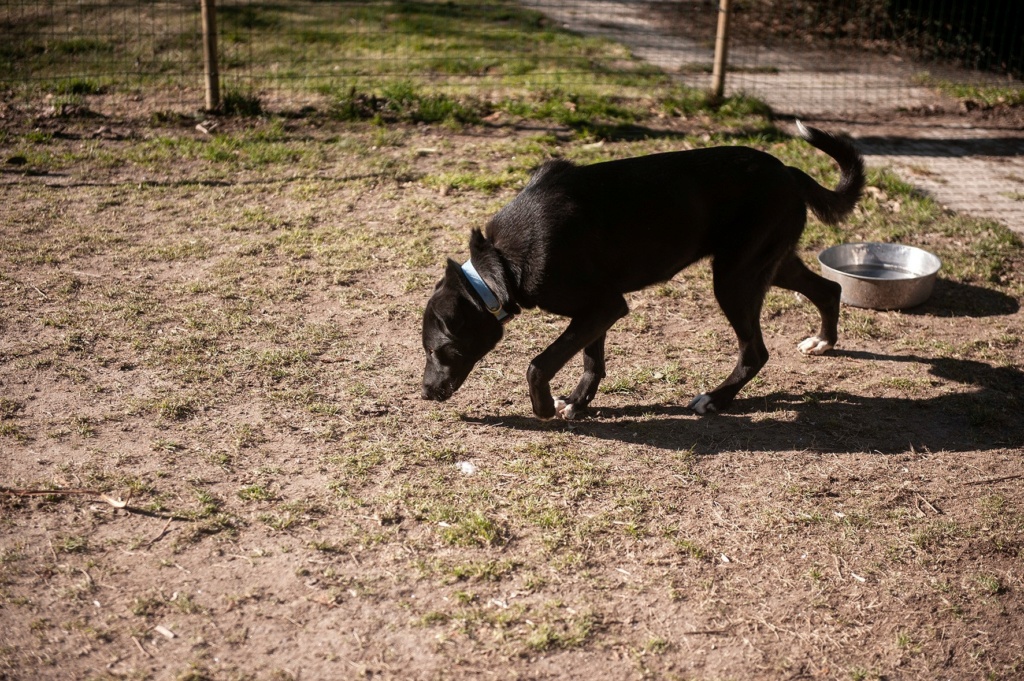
454	277
479	244
493	268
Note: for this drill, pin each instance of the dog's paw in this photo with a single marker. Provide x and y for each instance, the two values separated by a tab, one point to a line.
702	404
814	346
567	410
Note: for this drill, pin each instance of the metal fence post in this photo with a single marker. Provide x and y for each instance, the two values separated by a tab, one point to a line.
721	50
209	10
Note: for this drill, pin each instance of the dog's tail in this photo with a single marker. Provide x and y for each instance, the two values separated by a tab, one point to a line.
829	205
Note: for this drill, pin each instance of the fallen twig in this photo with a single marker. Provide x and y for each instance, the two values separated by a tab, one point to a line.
985	481
928	504
162	533
42	492
97	495
102	496
139	645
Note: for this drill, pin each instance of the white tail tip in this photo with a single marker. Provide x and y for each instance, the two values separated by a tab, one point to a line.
802	129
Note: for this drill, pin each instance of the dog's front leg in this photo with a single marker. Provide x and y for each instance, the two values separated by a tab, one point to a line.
584	331
593	372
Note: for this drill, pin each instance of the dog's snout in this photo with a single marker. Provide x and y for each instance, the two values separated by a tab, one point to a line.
436	393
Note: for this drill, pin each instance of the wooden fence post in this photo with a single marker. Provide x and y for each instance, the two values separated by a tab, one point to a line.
209	10
721	52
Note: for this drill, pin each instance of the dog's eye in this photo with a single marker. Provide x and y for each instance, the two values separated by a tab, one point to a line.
445	353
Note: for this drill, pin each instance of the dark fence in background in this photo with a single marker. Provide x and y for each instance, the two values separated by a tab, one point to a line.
979	34
797	54
854	55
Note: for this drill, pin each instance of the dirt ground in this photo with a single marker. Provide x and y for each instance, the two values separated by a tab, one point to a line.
226	339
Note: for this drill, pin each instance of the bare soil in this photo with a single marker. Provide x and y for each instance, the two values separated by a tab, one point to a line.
232	347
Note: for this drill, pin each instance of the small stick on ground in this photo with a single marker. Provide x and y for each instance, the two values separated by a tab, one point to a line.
139	646
160	536
986	481
97	494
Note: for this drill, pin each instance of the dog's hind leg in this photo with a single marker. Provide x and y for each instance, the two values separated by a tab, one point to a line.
584	331
740	294
794	275
593	372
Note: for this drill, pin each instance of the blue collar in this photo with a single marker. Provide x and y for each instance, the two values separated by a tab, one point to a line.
486	294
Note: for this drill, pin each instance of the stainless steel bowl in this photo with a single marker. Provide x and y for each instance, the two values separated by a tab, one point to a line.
881	276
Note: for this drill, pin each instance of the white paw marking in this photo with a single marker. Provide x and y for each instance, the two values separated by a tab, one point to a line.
701	404
566	410
814	346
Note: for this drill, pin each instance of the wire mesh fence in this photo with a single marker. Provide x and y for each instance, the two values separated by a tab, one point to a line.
127	43
799	55
809	56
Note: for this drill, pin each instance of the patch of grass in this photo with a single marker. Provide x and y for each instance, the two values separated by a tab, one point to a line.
209	504
186	604
937	535
485	182
487	570
175	408
278	522
600	116
983	95
8	429
989	585
578	110
239	103
255	493
862	674
247	436
434	617
78	46
212	524
9	408
908	643
77	86
167	446
326	547
404	102
560	631
71	544
692	549
147	606
475	529
692	101
83	426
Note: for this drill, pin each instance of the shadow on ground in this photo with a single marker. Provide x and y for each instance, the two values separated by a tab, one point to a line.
953	299
944	147
983	415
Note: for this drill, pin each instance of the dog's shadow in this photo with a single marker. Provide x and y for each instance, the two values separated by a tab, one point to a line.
985	416
954	299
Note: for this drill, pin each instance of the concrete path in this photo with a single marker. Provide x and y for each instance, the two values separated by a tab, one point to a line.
979	171
972	170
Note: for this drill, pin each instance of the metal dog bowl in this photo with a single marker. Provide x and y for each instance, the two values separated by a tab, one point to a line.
881	276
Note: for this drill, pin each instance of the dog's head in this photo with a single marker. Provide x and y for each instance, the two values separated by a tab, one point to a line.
458	331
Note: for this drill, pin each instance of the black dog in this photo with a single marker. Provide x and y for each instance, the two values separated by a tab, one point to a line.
578	237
